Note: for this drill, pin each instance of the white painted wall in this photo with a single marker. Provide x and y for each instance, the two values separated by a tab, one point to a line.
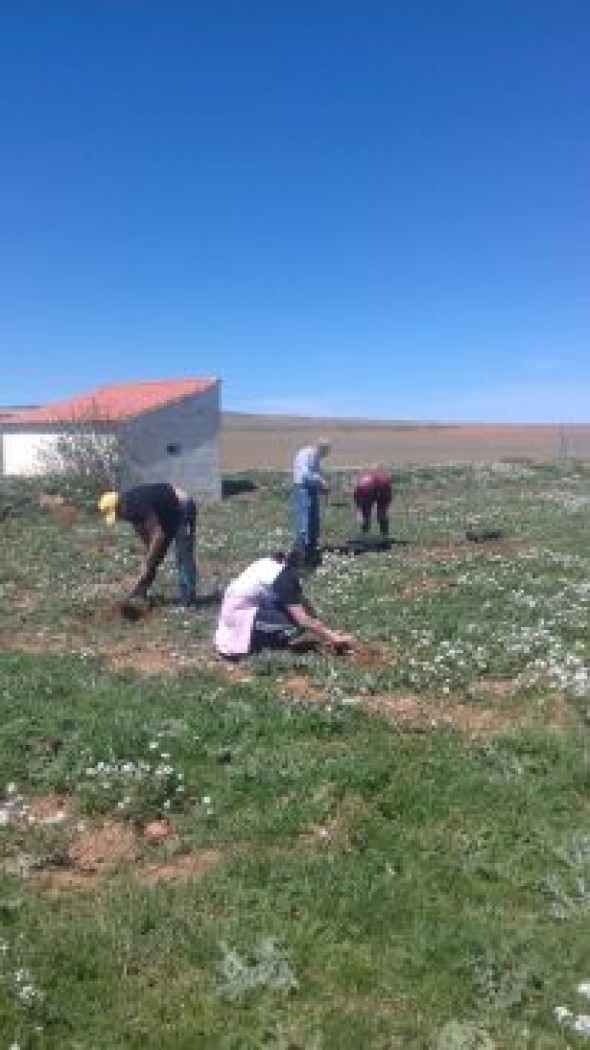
26	453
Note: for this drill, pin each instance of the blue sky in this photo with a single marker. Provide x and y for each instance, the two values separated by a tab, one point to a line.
350	207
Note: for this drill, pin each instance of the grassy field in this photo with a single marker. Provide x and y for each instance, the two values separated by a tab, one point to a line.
389	850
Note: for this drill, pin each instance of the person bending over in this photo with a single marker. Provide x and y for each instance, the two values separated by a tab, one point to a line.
373	489
264	607
159	513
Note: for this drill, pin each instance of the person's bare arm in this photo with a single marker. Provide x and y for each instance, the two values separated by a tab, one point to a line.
156	544
304	617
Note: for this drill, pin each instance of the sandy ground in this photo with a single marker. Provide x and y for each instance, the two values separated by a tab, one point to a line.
270	441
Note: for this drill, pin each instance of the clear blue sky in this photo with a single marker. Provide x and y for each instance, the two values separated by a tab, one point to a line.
351	207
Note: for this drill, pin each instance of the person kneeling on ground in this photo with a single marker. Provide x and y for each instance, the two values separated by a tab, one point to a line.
159	514
373	488
264	607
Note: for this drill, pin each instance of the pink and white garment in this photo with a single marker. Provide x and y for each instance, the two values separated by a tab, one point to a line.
241	600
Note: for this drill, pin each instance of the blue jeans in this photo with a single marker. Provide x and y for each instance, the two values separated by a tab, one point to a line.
306	517
184	543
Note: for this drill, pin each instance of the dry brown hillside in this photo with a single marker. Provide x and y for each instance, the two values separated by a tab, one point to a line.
250	441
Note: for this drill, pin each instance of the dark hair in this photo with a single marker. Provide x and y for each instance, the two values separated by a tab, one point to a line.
296	557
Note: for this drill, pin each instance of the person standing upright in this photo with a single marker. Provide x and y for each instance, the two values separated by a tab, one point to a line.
308	484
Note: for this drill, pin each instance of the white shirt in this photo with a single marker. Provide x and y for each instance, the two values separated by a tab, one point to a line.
240	602
306	467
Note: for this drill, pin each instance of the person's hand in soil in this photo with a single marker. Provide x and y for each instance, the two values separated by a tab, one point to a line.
342	642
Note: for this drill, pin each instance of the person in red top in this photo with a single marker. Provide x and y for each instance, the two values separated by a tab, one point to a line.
373	488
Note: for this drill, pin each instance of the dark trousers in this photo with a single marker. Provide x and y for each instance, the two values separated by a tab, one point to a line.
184	541
364	505
273	629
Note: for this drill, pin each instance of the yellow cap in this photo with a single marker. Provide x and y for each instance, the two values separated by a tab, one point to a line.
107	506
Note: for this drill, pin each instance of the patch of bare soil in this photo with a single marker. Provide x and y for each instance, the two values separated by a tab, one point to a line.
469	719
235	671
369	656
494	686
61	511
298	685
66	880
123	655
186	866
419	713
103	849
107	590
49	810
499	546
447	550
148	661
128	611
427	585
92	855
473	720
24	601
25	642
555	711
120	655
48	501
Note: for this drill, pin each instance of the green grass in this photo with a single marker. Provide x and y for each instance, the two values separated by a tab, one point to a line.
380	880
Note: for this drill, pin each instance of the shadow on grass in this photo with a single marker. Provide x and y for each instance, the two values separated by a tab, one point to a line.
483	535
202	601
362	545
236	486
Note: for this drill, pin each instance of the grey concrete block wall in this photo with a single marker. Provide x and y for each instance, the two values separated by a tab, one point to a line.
178	443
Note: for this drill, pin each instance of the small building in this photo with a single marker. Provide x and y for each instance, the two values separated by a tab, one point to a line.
163	431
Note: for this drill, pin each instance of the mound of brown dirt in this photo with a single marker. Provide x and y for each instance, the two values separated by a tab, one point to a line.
127	610
156	830
60	511
103	849
369	656
95	853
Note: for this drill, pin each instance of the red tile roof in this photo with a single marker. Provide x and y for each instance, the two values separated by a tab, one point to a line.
110	404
